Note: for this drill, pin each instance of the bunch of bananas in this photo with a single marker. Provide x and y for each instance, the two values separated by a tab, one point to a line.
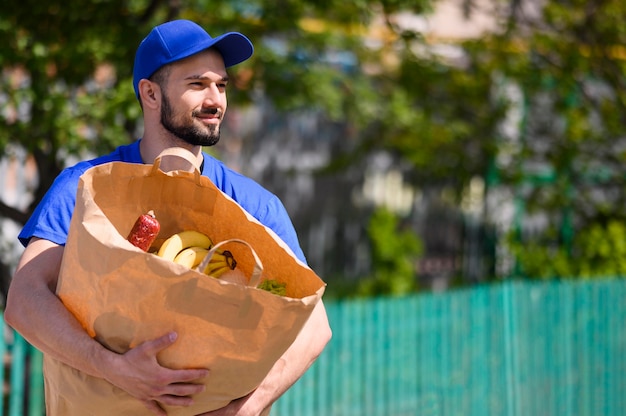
190	247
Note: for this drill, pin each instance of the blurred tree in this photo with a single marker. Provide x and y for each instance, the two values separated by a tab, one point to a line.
394	254
568	161
536	106
66	68
52	103
66	86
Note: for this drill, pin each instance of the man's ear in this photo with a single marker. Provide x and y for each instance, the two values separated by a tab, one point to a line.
150	93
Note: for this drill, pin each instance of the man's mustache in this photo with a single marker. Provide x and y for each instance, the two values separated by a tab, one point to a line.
208	112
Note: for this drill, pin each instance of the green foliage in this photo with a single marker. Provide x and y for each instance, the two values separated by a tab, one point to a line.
394	253
447	111
540	259
441	114
66	69
66	80
599	251
568	62
309	55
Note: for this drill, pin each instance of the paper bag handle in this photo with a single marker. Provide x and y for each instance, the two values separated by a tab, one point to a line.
255	277
180	152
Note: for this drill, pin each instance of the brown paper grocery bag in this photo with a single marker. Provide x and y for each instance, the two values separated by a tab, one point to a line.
124	296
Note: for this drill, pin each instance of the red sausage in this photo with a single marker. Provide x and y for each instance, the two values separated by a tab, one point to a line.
144	231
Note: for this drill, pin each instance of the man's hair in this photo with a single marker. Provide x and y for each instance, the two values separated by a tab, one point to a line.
161	75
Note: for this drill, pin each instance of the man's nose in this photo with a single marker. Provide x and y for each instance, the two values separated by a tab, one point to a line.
213	96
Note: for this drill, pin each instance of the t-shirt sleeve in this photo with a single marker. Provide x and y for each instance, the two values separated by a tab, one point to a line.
263	205
51	219
277	219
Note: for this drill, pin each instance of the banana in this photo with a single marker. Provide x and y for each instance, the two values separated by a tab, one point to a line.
191	257
224	256
217	272
218	257
189	248
225	262
180	241
219	260
213	266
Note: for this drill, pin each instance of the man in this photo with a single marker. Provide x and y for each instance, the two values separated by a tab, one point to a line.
180	80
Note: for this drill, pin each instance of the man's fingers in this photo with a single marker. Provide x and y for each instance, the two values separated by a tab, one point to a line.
151	349
183	389
155	384
156	345
154	407
181	401
174	395
185	376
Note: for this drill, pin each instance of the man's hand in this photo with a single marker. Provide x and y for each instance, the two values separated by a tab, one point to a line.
139	373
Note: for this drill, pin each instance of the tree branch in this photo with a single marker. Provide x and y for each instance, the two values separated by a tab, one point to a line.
7	211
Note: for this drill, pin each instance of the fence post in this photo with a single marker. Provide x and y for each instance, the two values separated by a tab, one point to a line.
3	353
510	340
18	359
36	403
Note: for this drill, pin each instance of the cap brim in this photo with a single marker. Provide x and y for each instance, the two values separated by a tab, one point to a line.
234	47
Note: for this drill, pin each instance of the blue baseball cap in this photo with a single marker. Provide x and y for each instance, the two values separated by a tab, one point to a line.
179	39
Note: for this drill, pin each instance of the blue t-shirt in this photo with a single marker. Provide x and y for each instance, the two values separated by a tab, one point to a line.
51	219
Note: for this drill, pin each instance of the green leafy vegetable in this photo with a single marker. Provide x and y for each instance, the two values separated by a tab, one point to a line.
274	287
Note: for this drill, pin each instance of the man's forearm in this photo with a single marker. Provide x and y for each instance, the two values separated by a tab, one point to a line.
37	313
293	364
34	310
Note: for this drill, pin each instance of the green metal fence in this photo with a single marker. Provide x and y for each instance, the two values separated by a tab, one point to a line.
512	349
21	373
516	349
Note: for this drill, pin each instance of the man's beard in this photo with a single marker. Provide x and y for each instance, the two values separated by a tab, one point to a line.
189	133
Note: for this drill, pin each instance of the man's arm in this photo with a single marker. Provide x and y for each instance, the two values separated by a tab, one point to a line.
288	369
34	310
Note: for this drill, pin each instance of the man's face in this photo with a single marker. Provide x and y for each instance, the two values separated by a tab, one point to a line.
194	99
